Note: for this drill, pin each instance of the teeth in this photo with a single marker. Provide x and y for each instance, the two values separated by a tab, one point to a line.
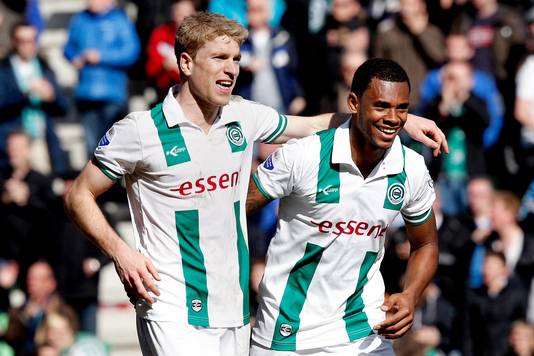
387	131
225	83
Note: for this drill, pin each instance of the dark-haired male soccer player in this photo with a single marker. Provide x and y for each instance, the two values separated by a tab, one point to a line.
322	292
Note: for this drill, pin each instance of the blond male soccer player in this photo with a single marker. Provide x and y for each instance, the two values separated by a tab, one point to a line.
322	292
186	164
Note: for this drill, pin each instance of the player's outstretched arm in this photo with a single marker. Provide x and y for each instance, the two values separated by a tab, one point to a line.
422	265
135	271
420	129
255	198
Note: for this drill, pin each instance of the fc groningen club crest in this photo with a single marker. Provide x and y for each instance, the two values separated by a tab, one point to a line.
235	137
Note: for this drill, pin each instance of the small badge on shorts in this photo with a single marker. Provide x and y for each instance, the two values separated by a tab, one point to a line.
196	305
285	330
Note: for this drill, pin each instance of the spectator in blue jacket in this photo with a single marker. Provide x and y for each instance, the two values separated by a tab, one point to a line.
268	63
30	96
102	44
484	86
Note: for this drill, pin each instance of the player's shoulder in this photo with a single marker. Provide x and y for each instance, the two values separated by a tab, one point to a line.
414	163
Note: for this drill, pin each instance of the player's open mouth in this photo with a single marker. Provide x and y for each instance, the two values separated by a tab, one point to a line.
224	84
387	131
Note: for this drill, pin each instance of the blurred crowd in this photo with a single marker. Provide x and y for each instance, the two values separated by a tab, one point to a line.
469	62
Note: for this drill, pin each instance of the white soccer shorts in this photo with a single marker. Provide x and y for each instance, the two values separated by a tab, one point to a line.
372	345
162	338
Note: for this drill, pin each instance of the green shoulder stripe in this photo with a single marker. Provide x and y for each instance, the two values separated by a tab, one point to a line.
328	182
171	138
282	124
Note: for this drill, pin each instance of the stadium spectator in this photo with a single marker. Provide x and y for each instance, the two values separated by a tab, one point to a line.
522	339
524	106
497	34
268	63
516	245
59	335
463	116
493	308
484	86
413	42
161	65
25	217
433	323
79	263
480	199
41	299
30	97
102	44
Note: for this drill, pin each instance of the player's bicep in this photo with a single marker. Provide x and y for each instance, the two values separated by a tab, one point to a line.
92	180
256	197
422	233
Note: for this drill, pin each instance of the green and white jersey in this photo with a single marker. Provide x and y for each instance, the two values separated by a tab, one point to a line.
322	285
187	192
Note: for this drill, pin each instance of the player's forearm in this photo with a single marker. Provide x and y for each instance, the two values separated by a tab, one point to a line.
302	126
84	211
422	265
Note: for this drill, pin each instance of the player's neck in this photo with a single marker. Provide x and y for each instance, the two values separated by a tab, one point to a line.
196	110
364	155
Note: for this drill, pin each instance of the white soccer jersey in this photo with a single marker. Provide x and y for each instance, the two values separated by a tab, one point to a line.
322	284
186	191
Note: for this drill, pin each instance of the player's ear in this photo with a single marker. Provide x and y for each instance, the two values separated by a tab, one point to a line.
353	103
186	63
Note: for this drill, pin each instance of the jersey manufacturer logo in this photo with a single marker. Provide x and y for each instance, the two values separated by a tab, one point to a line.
196	305
175	151
352	227
268	164
395	193
285	329
235	135
329	189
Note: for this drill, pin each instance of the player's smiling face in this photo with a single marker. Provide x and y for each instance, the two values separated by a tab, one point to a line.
381	111
213	71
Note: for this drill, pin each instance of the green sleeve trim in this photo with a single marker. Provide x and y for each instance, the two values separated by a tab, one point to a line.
419	219
282	124
108	173
260	188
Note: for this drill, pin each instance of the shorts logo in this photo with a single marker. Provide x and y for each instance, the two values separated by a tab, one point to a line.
395	193
196	305
175	151
235	135
268	164
285	329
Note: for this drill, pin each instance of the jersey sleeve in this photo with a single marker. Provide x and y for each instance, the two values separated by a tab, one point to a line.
525	88
419	207
119	150
269	124
276	176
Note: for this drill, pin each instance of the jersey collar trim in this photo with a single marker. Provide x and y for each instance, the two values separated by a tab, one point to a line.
174	115
392	163
172	112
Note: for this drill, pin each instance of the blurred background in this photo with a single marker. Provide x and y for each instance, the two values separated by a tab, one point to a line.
70	68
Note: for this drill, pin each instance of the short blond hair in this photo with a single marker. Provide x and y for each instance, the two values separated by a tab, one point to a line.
203	27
